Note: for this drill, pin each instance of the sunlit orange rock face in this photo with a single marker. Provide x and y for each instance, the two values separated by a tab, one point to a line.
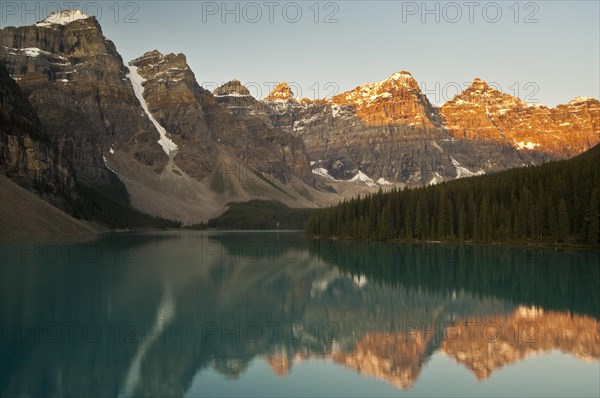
396	100
485	345
482	112
282	92
396	358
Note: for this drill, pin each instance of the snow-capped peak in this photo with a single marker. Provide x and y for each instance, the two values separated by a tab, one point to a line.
62	18
372	92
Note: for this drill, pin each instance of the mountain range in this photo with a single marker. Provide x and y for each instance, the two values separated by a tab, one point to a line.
79	122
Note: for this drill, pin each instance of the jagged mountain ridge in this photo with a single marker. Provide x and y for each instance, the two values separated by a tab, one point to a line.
483	112
389	130
184	152
86	97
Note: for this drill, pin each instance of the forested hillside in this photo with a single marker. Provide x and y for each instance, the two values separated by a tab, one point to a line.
259	215
557	202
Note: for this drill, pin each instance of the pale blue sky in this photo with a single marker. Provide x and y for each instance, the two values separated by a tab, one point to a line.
550	61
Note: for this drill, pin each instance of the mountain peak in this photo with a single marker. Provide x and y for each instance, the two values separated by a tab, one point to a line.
153	53
397	100
156	59
281	92
479	84
401	75
398	80
62	18
582	100
482	94
232	88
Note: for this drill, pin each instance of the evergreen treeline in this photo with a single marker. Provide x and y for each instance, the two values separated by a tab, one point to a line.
554	202
259	215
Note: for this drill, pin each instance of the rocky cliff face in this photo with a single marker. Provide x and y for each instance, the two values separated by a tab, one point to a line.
481	112
258	143
27	155
169	91
198	124
77	83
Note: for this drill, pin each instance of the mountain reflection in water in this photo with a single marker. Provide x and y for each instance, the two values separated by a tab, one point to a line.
142	315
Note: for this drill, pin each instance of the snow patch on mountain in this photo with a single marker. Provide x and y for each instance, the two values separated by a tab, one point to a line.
62	18
526	145
299	124
436	179
234	94
32	52
322	172
165	142
362	177
383	181
462	171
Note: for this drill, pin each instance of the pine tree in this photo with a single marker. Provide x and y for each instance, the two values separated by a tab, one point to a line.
593	217
563	221
419	222
462	223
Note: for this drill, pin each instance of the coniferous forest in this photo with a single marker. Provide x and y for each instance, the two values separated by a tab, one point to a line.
557	202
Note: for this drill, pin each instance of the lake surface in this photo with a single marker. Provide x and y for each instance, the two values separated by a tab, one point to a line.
271	314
